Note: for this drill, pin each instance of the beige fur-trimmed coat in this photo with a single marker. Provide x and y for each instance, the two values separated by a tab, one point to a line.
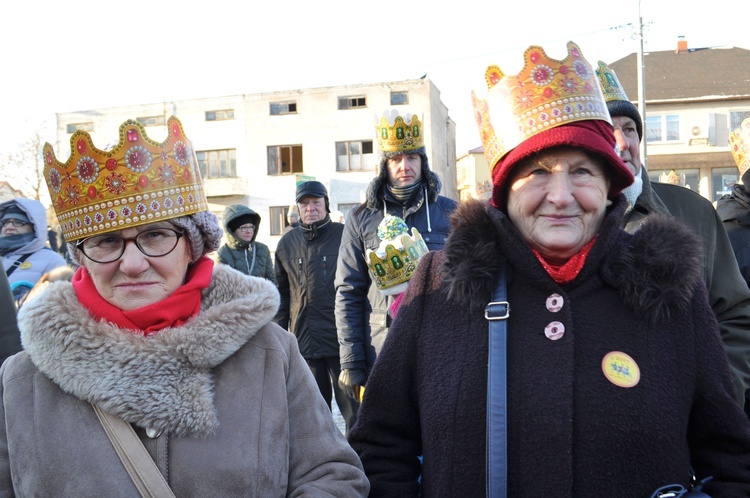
235	405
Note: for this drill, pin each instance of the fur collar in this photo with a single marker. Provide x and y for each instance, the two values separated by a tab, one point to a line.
162	382
654	269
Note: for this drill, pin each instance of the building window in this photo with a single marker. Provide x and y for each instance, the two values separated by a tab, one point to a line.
217	163
352	102
355	156
151	120
662	128
284	159
345	207
723	179
72	127
220	115
279	108
736	118
277	215
399	98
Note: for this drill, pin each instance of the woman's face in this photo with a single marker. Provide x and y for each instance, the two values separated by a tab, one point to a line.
557	201
245	232
136	280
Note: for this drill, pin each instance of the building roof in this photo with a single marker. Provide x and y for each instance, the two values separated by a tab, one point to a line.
700	73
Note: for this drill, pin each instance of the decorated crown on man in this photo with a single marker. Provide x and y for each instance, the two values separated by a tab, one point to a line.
739	146
399	134
136	182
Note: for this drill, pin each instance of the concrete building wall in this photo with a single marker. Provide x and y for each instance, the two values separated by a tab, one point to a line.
316	126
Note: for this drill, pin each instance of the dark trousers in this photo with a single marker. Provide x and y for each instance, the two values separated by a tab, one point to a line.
326	372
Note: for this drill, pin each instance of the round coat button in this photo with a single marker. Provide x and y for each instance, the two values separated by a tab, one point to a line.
554	331
555	303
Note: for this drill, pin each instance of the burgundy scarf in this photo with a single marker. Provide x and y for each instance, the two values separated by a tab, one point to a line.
569	270
173	311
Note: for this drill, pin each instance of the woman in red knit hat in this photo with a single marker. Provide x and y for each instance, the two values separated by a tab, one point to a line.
617	381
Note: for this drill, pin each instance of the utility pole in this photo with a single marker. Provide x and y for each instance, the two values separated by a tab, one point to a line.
641	85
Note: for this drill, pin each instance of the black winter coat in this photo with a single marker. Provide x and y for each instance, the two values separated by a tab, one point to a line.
571	431
734	210
305	270
728	294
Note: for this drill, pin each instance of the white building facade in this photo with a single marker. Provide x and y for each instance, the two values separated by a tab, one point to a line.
253	149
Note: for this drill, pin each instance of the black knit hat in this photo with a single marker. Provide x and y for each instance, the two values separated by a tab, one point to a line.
241	220
626	108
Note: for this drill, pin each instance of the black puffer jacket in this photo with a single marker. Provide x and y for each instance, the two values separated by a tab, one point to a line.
305	269
251	258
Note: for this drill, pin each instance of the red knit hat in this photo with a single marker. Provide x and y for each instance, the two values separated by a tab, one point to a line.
594	136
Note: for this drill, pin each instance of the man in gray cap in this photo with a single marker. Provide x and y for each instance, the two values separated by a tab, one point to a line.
728	293
305	269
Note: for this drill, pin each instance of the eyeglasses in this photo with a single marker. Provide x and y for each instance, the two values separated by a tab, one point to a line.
15	223
110	247
247	228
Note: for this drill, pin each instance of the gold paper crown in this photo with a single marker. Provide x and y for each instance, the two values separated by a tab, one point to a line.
391	272
739	145
611	87
399	134
138	181
546	93
673	178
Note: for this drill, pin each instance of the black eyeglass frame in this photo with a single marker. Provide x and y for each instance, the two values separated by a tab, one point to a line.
16	223
178	234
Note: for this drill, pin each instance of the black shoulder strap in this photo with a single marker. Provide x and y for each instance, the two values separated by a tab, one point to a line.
16	264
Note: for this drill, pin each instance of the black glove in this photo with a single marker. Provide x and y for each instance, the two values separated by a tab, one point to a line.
350	380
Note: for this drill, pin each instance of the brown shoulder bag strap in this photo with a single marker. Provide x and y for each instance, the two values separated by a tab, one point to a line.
139	464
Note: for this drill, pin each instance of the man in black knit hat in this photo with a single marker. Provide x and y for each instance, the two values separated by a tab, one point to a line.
728	293
404	187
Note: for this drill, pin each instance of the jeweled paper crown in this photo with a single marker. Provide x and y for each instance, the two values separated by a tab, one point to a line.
611	87
394	267
546	93
138	181
396	133
739	145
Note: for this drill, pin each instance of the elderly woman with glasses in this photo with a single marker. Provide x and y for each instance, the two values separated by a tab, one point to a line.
153	368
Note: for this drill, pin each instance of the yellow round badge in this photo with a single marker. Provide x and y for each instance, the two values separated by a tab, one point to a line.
620	369
25	265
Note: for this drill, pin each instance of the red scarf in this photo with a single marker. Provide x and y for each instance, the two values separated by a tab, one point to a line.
173	311
569	270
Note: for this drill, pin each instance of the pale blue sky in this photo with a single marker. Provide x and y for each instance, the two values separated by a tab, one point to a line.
65	56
